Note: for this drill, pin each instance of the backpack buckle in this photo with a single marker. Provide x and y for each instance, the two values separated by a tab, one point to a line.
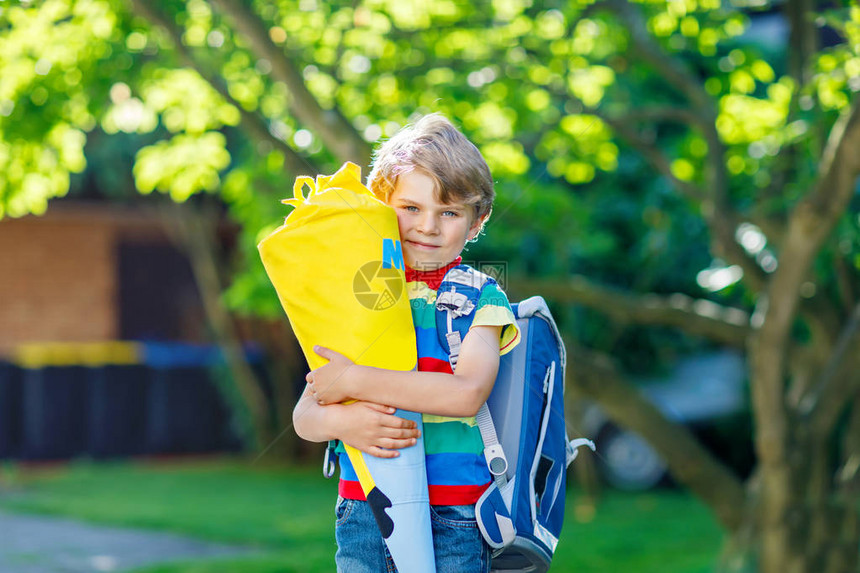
454	302
328	461
497	463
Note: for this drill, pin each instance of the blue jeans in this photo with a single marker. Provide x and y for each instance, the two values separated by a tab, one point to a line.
457	542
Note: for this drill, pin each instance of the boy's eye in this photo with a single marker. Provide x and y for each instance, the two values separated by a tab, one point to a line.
411	208
451	213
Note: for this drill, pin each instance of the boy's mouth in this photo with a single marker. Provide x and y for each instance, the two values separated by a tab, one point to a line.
422	245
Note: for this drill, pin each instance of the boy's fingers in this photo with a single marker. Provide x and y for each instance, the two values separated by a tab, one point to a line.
397	443
405	435
382	453
327	353
380	408
407	424
400	433
398	423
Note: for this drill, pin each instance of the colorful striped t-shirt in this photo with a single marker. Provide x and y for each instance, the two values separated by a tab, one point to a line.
457	473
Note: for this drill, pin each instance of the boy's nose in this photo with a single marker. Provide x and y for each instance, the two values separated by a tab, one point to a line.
428	225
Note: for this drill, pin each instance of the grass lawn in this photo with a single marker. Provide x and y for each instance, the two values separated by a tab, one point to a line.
289	514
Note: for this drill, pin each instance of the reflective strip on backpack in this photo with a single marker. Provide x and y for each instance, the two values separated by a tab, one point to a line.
544	535
548	391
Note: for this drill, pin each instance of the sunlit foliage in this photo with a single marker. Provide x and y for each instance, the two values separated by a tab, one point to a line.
534	85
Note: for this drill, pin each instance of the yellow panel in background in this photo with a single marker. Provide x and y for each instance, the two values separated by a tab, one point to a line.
43	354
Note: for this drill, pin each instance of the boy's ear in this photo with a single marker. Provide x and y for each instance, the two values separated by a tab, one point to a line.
476	227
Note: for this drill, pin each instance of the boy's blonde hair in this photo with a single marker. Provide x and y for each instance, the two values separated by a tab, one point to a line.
437	148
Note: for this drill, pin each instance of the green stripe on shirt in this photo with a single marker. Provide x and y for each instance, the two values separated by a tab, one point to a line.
453	437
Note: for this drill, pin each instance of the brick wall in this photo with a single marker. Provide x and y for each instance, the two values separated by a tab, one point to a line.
62	280
57	280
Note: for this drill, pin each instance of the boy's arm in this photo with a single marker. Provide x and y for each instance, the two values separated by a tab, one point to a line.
368	427
458	395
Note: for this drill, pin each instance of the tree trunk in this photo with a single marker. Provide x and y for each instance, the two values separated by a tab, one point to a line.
284	363
819	523
803	41
739	553
690	463
846	556
195	232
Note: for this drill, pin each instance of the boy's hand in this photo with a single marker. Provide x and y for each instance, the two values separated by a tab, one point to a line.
375	430
330	383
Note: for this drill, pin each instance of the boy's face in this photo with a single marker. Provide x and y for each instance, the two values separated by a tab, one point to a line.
432	233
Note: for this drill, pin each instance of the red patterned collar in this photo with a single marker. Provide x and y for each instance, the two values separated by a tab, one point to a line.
432	278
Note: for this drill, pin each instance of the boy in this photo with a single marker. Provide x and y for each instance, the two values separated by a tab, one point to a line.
442	191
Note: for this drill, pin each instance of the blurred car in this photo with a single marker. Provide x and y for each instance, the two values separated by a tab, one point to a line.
706	393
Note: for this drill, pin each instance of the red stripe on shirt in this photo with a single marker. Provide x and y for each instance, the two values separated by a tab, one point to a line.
428	364
510	343
350	490
456	494
439	494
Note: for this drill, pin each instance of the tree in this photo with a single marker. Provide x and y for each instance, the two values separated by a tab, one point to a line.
657	133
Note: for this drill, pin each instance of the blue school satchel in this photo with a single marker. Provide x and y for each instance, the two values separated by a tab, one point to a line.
522	425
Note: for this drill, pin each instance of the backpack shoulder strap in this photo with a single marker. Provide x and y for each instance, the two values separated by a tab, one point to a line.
456	303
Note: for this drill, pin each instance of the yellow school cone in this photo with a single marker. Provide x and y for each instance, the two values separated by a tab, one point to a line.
337	266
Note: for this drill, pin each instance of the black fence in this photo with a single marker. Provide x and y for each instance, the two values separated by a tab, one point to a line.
61	412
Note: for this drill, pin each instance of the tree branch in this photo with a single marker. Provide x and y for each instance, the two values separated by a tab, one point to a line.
803	39
670	69
839	380
721	221
810	223
839	166
256	126
692	465
720	218
844	281
330	125
716	207
658	113
848	475
650	152
722	324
